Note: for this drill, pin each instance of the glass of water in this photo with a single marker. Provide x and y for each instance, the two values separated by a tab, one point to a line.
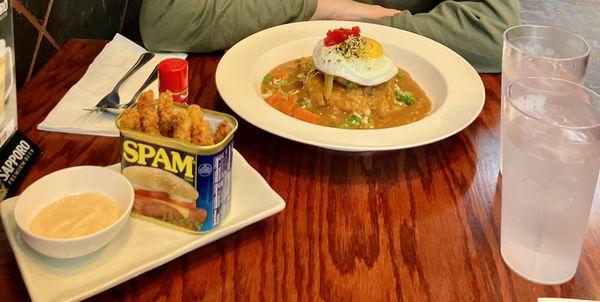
551	162
541	51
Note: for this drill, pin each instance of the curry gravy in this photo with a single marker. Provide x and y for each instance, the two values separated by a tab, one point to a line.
296	88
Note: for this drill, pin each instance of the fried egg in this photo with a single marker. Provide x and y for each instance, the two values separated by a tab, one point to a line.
358	59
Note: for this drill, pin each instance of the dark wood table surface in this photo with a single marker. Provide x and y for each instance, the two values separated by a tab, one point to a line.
416	224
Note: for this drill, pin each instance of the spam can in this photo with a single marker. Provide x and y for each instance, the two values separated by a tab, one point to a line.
179	184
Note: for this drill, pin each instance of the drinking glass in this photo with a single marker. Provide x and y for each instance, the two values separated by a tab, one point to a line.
551	163
541	51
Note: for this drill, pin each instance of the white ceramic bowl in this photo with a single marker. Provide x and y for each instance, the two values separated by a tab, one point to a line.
75	180
454	87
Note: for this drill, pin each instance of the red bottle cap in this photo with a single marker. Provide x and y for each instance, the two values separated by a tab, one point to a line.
173	76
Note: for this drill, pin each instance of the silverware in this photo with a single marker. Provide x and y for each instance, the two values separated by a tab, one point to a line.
120	107
112	99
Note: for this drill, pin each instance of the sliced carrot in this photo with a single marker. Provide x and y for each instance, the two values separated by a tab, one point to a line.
286	107
305	115
292	98
281	74
275	99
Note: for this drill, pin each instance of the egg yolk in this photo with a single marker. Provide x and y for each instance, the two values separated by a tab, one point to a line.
372	49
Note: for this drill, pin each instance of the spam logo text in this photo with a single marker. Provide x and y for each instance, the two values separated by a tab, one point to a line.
158	157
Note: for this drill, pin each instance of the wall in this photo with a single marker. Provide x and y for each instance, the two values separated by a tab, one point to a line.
578	16
43	26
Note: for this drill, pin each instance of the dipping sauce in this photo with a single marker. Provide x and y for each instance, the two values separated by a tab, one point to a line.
75	216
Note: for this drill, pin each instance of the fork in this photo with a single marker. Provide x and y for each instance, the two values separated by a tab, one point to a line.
120	107
112	99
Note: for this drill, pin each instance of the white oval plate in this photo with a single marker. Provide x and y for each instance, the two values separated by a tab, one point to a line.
452	84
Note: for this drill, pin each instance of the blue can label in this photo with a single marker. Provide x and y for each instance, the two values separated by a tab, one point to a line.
178	188
214	181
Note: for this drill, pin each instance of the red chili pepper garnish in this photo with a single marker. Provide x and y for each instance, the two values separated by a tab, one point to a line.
340	35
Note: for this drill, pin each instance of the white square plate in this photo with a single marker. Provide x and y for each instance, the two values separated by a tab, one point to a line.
139	247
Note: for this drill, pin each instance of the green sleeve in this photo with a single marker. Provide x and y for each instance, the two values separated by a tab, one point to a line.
471	28
210	25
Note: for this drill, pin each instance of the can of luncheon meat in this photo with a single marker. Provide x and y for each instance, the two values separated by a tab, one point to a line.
179	184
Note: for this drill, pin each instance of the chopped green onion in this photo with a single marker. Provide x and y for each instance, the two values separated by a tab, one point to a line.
266	79
304	103
400	73
354	121
280	82
404	96
349	85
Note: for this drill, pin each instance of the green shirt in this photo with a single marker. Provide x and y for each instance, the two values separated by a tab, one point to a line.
471	28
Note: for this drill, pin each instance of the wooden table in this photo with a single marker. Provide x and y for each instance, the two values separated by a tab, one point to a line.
416	224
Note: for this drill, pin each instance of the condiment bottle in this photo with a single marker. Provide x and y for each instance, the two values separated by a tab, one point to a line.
173	76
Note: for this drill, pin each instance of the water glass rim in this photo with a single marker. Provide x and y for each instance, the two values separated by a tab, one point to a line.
593	95
585	42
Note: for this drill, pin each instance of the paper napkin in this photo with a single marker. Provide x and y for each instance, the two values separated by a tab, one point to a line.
108	68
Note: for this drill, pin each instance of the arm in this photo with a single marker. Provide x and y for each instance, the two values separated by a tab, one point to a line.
350	10
471	28
210	25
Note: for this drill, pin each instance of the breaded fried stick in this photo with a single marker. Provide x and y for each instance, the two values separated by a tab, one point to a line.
205	137
166	113
201	132
182	126
148	115
130	119
221	132
195	113
145	100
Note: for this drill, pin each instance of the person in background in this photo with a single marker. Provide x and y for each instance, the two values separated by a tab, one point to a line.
471	28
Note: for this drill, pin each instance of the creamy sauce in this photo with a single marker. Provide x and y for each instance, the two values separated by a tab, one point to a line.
75	216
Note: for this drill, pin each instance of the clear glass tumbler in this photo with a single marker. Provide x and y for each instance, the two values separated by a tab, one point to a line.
541	51
551	164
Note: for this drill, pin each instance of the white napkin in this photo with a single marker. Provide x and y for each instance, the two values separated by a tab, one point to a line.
102	75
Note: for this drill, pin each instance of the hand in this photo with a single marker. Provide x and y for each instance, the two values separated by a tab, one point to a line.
349	10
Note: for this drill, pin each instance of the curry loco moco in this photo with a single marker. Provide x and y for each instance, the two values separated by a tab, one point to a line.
179	184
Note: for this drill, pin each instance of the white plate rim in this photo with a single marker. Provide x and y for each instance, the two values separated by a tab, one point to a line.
224	230
238	89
